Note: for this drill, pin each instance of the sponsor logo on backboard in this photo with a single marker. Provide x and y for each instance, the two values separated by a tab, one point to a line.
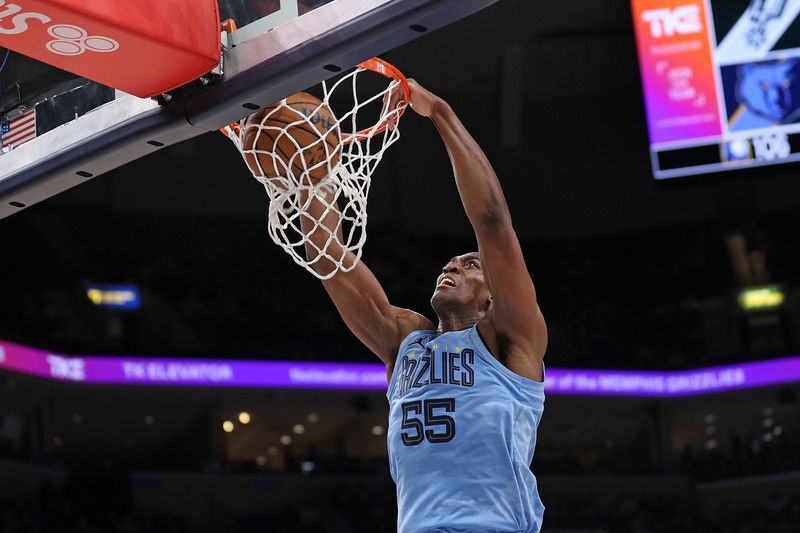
69	40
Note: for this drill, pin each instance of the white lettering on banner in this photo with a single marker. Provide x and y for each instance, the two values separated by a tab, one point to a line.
336	377
70	40
683	20
67	368
682	47
133	370
631	383
654	384
185	372
680	84
677	122
177	372
706	381
584	382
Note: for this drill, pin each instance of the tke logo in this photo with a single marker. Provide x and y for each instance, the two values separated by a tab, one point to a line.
64	368
69	40
666	22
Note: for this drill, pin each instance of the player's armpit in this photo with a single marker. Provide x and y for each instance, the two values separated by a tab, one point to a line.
514	311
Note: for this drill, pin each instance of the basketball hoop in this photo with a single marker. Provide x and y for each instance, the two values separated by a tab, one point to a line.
364	131
379	66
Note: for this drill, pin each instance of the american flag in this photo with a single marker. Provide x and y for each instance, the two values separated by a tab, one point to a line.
19	130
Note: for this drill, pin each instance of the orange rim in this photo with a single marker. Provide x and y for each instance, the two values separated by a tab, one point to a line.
233	127
379	66
384	68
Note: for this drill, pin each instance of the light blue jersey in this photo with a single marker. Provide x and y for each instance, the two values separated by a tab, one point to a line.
462	430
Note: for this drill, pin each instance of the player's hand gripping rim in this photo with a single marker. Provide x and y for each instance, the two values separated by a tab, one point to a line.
421	100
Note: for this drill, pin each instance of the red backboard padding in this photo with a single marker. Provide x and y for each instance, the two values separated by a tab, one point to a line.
142	47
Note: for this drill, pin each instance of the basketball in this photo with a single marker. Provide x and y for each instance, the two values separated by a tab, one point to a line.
292	139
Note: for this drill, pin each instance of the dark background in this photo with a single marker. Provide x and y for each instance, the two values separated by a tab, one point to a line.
631	273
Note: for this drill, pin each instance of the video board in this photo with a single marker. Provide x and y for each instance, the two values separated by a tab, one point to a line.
721	81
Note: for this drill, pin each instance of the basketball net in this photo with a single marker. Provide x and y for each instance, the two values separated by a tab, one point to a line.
347	168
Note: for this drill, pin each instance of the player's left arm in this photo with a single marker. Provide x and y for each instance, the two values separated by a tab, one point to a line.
514	326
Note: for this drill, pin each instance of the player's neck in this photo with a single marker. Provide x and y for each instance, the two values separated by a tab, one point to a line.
456	323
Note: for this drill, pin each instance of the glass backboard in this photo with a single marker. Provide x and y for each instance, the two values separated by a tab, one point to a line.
279	47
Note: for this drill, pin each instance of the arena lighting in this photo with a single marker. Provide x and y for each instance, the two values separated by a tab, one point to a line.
148	371
761	298
227	426
244	417
124	297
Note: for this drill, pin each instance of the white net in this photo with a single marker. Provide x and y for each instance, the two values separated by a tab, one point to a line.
316	176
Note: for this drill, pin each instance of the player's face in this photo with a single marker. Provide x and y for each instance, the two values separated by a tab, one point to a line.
462	284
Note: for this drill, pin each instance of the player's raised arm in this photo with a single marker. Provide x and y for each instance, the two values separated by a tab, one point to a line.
293	148
357	294
513	326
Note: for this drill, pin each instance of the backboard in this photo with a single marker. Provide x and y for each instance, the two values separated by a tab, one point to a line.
280	47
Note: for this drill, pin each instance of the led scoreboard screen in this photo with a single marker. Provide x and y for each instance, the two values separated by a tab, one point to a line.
721	82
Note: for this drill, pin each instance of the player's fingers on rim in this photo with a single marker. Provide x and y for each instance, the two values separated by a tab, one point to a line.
391	100
396	97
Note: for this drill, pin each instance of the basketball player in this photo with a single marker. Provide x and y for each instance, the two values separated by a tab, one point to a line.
466	394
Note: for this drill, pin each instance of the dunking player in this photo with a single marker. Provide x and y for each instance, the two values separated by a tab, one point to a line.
466	395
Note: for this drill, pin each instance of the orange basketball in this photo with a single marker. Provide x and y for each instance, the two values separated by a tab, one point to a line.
288	139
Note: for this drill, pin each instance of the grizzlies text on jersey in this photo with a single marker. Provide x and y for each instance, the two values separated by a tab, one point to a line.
462	430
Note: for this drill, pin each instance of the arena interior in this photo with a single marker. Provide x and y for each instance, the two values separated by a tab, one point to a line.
633	273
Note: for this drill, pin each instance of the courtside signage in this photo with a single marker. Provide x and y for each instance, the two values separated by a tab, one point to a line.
365	376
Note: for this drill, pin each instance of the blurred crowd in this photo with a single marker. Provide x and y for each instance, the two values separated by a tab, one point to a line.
741	457
220	288
360	508
83	505
631	514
